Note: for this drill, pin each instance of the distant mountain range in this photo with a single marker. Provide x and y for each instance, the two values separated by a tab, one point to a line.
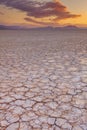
4	27
57	28
70	27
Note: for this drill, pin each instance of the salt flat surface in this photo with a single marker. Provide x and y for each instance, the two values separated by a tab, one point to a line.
43	80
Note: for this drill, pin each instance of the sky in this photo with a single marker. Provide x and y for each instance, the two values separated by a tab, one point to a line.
41	13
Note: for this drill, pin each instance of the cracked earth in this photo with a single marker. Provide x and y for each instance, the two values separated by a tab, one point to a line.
43	80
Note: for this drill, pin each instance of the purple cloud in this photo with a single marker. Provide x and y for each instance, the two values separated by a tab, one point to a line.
40	9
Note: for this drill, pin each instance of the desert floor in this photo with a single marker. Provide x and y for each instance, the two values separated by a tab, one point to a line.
43	80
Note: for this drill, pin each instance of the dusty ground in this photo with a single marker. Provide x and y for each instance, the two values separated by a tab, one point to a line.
43	80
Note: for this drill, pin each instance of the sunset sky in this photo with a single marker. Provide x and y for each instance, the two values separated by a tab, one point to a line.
40	13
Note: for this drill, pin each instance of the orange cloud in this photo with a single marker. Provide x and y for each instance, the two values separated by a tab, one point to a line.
38	10
1	13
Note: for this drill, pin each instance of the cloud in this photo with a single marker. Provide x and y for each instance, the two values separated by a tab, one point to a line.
34	21
38	9
1	13
38	22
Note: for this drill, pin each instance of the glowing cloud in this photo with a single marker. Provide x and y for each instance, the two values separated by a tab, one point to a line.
35	9
1	13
